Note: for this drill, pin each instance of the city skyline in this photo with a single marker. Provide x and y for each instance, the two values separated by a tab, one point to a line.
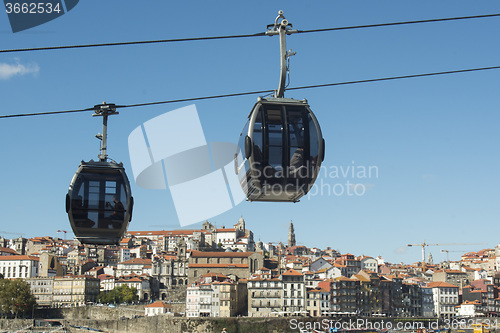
430	143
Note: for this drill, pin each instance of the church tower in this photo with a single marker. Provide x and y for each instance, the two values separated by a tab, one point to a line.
181	248
240	228
430	260
291	235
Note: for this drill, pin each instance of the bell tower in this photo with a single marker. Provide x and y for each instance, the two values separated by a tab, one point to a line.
291	235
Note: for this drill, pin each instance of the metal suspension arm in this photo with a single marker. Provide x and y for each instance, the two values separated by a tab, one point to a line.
104	110
282	29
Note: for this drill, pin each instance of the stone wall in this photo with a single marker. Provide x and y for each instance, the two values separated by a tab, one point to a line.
13	324
169	324
100	312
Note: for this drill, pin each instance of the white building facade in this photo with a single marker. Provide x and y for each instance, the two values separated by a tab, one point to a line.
16	267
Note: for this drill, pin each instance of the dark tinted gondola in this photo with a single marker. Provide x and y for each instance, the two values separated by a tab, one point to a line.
281	148
99	201
280	151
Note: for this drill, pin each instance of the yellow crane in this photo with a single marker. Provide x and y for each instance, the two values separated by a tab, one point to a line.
448	252
11	233
424	244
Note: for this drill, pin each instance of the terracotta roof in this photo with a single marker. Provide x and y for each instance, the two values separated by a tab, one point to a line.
218	265
476	302
136	261
166	232
361	278
291	272
169	257
19	257
130	280
200	254
226	230
158	304
454	271
7	250
440	285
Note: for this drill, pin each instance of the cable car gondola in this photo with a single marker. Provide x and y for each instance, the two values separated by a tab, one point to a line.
99	201
281	147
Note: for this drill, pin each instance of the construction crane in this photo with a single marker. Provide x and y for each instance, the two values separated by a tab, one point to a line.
11	233
447	253
65	232
424	244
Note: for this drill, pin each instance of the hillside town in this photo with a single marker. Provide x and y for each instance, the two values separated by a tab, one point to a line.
223	272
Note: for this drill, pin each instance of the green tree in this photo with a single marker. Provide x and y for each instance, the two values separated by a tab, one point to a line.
15	297
118	295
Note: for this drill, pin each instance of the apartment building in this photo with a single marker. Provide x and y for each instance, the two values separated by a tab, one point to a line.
343	294
318	302
427	302
264	297
19	266
74	290
294	293
137	265
42	288
199	300
445	298
454	277
240	264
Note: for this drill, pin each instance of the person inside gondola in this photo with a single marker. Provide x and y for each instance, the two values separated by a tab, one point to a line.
297	165
118	214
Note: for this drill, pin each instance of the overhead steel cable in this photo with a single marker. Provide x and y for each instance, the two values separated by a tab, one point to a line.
132	43
399	23
259	92
259	34
196	98
44	113
395	78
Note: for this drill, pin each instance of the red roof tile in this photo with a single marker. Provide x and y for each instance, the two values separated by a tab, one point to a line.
200	254
292	272
440	285
19	257
218	266
158	304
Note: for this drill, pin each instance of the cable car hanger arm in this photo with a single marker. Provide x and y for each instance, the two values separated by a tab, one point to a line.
282	29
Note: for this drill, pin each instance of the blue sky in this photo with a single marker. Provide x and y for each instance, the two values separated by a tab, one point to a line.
433	141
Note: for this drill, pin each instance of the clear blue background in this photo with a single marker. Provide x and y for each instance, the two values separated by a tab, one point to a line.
434	140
